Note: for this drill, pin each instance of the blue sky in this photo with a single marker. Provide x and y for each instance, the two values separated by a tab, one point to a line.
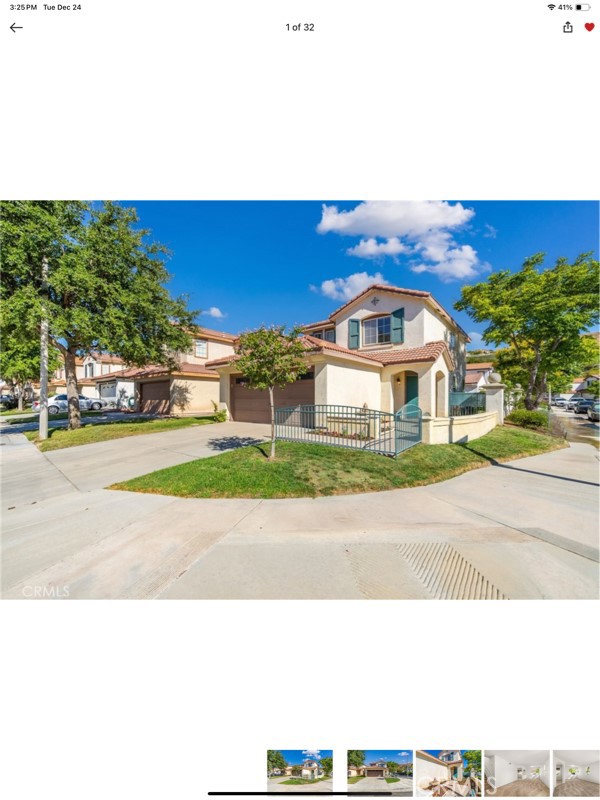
400	756
299	756
248	263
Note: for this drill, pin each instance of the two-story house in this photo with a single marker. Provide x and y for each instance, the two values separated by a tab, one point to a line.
383	349
191	387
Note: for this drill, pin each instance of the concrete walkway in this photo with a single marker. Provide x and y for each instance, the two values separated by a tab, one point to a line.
527	529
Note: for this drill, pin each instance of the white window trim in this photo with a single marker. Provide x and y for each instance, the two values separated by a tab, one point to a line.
196	343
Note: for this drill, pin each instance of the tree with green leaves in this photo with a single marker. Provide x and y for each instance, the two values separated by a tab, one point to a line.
105	288
20	362
356	758
275	760
393	766
270	357
539	314
593	388
473	759
327	765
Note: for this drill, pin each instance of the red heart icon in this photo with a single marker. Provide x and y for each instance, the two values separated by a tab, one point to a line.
589	26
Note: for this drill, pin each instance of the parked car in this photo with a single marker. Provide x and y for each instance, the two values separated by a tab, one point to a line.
7	401
593	412
573	402
559	402
582	406
59	402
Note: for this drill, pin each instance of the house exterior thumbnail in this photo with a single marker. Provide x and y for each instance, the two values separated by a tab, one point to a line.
311	770
376	769
385	348
446	766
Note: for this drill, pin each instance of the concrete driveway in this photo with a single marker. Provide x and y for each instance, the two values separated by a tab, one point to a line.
402	788
278	785
527	529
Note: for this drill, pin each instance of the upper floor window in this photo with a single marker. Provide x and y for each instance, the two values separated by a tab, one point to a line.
88	370
377	331
201	348
327	335
452	341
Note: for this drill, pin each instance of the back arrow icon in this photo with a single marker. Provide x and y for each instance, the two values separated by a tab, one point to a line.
14	27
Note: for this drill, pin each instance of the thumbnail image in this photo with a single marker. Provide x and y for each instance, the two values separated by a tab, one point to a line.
517	773
576	773
448	773
300	770
381	771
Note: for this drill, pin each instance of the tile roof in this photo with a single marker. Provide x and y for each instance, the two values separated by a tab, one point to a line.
472	379
320	324
428	352
154	370
381	287
210	332
483	366
106	358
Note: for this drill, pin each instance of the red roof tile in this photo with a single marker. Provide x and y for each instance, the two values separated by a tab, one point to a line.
155	370
210	332
429	352
483	366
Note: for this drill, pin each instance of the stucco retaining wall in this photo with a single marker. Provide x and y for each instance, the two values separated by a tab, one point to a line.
450	430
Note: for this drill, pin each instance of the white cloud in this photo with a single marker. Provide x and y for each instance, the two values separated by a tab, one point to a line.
491	232
371	248
311	754
346	288
427	228
215	312
458	263
391	218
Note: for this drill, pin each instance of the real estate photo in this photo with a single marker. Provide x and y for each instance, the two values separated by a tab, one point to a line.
335	388
300	770
576	773
376	771
448	773
517	773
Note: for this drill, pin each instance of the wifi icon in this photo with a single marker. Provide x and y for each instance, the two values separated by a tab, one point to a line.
551	7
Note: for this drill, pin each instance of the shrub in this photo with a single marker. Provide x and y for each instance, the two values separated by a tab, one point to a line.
528	419
220	416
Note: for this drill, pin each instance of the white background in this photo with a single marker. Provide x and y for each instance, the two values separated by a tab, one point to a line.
210	100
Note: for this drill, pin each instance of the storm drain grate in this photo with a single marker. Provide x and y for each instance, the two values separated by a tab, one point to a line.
446	574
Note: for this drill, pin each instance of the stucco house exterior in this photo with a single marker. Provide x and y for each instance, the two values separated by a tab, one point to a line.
376	769
447	766
92	366
311	770
385	348
190	388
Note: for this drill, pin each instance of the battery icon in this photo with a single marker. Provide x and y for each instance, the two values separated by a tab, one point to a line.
582	7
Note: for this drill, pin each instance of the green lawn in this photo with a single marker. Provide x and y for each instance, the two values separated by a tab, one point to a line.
5	413
103	432
393	780
355	778
313	470
300	781
52	417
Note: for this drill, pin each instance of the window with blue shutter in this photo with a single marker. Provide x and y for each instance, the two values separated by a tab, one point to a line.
353	334
398	326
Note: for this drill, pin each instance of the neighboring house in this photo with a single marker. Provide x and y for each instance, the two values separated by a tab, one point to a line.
384	348
477	375
117	388
192	386
58	384
581	386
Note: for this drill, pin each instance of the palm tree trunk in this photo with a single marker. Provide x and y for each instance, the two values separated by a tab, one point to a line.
72	390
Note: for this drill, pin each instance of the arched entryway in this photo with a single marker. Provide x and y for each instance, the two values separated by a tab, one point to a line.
406	389
441	394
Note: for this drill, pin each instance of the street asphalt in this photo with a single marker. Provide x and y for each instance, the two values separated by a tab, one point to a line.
527	529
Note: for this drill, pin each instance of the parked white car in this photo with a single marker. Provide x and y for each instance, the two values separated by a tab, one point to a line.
59	402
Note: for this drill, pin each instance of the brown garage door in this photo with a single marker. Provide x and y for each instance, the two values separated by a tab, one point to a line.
374	773
251	405
155	397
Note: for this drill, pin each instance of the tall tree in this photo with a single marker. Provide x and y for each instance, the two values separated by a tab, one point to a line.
275	760
105	288
20	362
327	765
539	313
270	357
473	759
356	758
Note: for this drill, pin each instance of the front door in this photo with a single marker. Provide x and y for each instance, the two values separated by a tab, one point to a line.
412	390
